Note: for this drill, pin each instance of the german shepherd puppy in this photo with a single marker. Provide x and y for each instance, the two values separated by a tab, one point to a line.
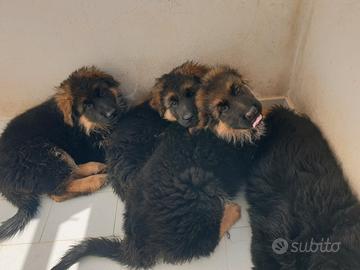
56	148
303	213
137	134
177	207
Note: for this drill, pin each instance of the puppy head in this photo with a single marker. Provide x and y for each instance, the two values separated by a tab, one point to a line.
233	112
91	97
173	95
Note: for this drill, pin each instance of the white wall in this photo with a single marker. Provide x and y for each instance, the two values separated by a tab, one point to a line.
42	41
326	75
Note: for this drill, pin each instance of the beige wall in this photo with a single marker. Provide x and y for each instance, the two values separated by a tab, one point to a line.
326	75
42	41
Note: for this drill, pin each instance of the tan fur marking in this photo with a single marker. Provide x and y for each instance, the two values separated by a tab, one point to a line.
229	134
232	213
200	103
64	101
89	168
87	184
223	131
63	197
155	101
169	116
115	91
218	71
191	68
92	71
90	126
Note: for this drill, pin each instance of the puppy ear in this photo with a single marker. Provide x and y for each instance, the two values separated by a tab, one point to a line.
201	104
64	101
197	79
156	99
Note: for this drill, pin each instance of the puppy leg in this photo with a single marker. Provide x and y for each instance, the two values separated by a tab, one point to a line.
232	213
63	197
87	184
89	168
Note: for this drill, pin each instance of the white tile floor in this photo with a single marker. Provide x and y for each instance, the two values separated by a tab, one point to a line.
59	225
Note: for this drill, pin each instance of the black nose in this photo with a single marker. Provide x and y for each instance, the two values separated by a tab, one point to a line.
252	113
188	116
110	113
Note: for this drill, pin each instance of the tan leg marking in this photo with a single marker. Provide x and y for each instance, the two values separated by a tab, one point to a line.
89	168
232	213
63	197
87	184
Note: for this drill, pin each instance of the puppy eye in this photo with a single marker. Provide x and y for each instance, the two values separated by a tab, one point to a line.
222	107
173	103
88	105
190	94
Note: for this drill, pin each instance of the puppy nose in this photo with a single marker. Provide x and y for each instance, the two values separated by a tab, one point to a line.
252	113
110	113
187	116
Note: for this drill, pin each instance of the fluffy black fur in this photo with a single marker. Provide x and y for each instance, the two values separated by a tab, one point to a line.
138	133
35	144
174	206
132	142
298	192
175	203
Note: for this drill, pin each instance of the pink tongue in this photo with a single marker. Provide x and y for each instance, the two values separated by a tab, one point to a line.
257	121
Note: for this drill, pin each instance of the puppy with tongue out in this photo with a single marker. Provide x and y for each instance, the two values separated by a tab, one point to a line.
181	201
231	110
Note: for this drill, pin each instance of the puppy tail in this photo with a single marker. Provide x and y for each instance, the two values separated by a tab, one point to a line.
103	247
25	213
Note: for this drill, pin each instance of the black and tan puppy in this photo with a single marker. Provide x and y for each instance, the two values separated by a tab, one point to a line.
303	213
56	148
137	134
229	107
177	206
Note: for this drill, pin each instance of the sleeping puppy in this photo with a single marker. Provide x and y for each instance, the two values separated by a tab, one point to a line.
56	148
303	213
137	134
177	206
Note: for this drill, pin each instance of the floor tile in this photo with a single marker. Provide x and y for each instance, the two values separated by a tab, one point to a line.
108	188
217	261
93	263
32	256
238	249
43	256
118	228
87	216
34	229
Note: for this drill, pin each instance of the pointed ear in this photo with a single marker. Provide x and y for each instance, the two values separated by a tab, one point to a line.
156	99
201	104
64	101
197	79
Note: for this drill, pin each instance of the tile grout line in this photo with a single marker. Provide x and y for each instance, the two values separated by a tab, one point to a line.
116	208
226	254
46	221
